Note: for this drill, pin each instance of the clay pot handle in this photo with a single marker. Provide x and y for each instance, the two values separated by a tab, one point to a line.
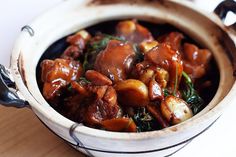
8	92
223	8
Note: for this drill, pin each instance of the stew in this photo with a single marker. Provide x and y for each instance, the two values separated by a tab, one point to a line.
128	80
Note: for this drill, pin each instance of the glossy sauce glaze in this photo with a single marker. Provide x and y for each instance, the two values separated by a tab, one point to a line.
129	76
120	65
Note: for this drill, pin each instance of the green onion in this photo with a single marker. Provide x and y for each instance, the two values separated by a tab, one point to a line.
144	120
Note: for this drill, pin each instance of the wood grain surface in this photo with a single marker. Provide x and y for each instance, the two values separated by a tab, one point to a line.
23	135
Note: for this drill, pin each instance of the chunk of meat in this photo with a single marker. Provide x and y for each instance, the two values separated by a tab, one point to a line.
196	60
96	92
79	88
103	107
133	32
195	55
97	78
173	39
140	69
72	107
72	52
194	71
116	60
77	43
52	89
164	57
79	39
57	74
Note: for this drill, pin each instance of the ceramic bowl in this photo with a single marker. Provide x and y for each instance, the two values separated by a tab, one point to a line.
68	17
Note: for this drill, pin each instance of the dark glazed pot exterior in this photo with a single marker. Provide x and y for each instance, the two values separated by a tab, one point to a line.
9	98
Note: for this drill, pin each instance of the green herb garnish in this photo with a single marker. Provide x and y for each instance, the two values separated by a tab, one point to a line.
86	64
70	87
166	92
144	120
100	45
190	95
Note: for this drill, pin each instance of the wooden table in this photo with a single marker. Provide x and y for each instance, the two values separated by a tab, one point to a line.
22	135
